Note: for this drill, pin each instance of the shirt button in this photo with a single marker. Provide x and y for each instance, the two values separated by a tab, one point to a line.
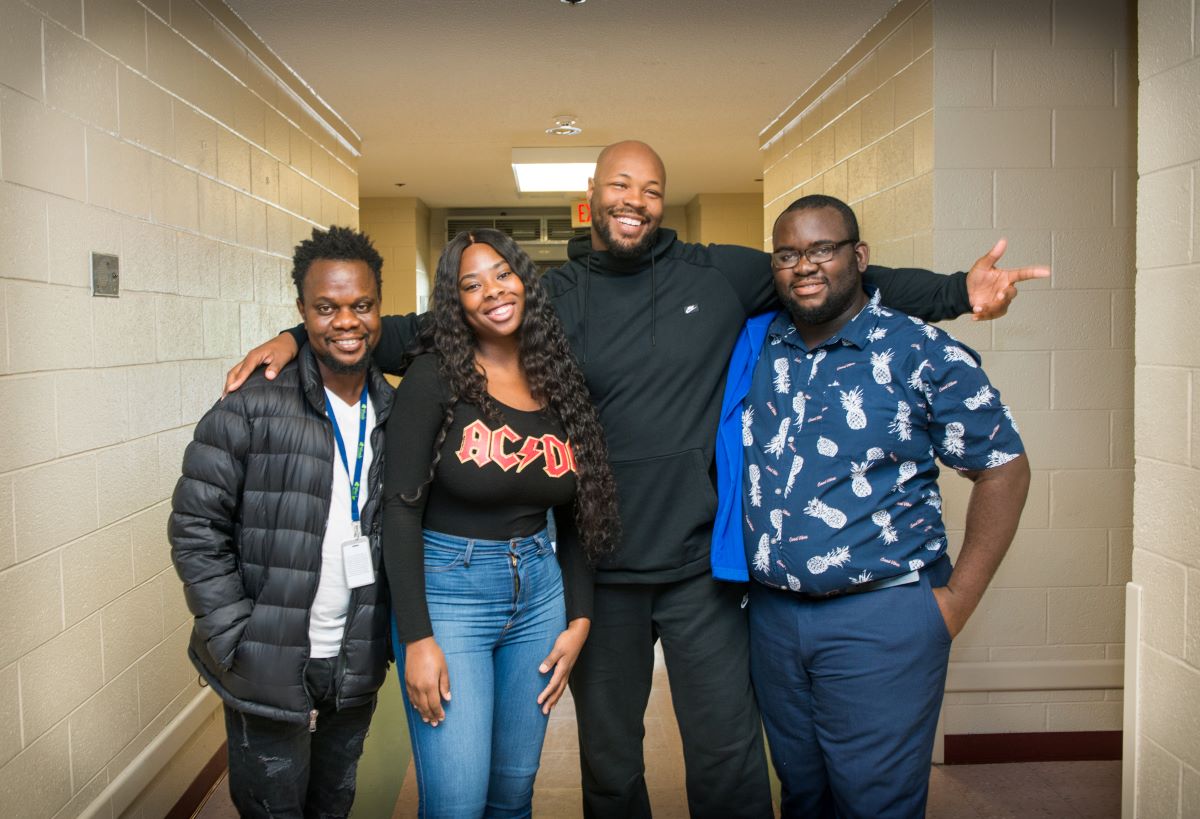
808	356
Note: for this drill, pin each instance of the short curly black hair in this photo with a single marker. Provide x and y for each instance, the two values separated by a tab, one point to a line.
342	243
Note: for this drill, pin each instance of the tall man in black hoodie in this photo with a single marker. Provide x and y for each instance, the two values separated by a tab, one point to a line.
652	321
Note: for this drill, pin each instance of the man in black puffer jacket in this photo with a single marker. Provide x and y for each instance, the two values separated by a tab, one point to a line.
275	535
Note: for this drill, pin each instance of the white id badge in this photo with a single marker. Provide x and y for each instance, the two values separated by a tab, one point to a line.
356	558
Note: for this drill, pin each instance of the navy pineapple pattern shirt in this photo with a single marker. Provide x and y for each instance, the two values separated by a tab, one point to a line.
840	482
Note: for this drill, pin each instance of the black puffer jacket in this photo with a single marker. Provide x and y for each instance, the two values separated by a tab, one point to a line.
248	519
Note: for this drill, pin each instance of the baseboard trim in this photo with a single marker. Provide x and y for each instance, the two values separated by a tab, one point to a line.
127	785
1036	675
197	793
1045	746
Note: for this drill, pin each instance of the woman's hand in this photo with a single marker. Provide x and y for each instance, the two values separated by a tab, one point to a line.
562	659
427	679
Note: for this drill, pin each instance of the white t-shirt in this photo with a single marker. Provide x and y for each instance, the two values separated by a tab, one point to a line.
327	620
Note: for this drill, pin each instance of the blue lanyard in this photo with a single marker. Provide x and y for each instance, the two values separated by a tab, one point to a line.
355	480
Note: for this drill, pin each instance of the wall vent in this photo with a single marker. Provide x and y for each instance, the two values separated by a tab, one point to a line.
525	229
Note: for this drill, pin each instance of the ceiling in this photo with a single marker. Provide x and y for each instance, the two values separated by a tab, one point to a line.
441	90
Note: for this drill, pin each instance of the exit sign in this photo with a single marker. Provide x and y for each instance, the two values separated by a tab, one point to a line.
581	214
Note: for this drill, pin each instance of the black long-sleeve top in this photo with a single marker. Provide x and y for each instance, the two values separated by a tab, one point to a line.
495	480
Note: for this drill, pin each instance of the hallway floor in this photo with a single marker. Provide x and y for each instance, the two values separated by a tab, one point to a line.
1088	790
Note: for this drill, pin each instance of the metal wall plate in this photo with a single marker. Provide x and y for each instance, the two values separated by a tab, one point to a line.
105	275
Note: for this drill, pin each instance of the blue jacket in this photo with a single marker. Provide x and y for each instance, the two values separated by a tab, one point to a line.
728	548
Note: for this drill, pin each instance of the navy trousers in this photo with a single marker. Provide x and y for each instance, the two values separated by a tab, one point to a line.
850	688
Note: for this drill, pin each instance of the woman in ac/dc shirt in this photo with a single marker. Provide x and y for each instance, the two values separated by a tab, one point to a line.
487	434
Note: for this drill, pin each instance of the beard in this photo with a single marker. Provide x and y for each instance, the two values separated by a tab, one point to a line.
836	303
616	246
336	365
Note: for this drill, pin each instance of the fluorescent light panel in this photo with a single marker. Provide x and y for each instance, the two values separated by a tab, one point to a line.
553	176
547	170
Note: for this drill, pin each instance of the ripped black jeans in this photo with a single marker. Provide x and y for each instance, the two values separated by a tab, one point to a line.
281	770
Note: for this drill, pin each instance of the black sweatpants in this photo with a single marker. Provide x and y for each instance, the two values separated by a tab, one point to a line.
705	641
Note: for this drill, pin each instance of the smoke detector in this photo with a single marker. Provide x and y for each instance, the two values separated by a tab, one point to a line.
564	124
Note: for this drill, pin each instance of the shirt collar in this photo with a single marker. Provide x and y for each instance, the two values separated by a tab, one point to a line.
854	332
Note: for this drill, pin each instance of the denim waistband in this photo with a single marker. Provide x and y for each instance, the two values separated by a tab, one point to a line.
471	546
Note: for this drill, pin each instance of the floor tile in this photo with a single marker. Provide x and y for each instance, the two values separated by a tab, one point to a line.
1037	790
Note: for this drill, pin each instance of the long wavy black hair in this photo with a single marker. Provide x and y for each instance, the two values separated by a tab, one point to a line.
554	377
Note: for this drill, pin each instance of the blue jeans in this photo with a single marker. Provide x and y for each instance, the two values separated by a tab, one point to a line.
497	608
850	690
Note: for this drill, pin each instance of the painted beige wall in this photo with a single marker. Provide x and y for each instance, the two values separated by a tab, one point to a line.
1166	558
675	217
146	130
954	123
399	226
867	138
1034	119
726	219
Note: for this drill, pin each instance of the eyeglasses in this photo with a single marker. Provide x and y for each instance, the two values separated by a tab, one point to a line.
817	254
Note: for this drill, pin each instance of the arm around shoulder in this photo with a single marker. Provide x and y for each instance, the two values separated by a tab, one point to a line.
748	272
985	290
397	335
920	292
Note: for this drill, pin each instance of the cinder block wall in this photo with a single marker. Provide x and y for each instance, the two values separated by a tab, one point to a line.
146	130
864	133
955	122
399	228
725	218
1034	140
1166	557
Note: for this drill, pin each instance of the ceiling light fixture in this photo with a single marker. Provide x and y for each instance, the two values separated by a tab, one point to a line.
553	170
564	125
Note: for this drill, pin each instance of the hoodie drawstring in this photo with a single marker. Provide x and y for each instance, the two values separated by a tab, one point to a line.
587	289
653	299
587	292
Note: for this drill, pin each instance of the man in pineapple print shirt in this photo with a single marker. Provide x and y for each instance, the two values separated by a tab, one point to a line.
834	410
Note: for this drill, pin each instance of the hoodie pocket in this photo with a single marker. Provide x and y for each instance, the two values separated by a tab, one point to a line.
667	506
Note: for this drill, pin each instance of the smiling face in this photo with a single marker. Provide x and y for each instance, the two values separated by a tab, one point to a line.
340	308
626	198
491	293
819	297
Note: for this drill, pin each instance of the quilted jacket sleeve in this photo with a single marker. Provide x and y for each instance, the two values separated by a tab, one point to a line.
204	514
